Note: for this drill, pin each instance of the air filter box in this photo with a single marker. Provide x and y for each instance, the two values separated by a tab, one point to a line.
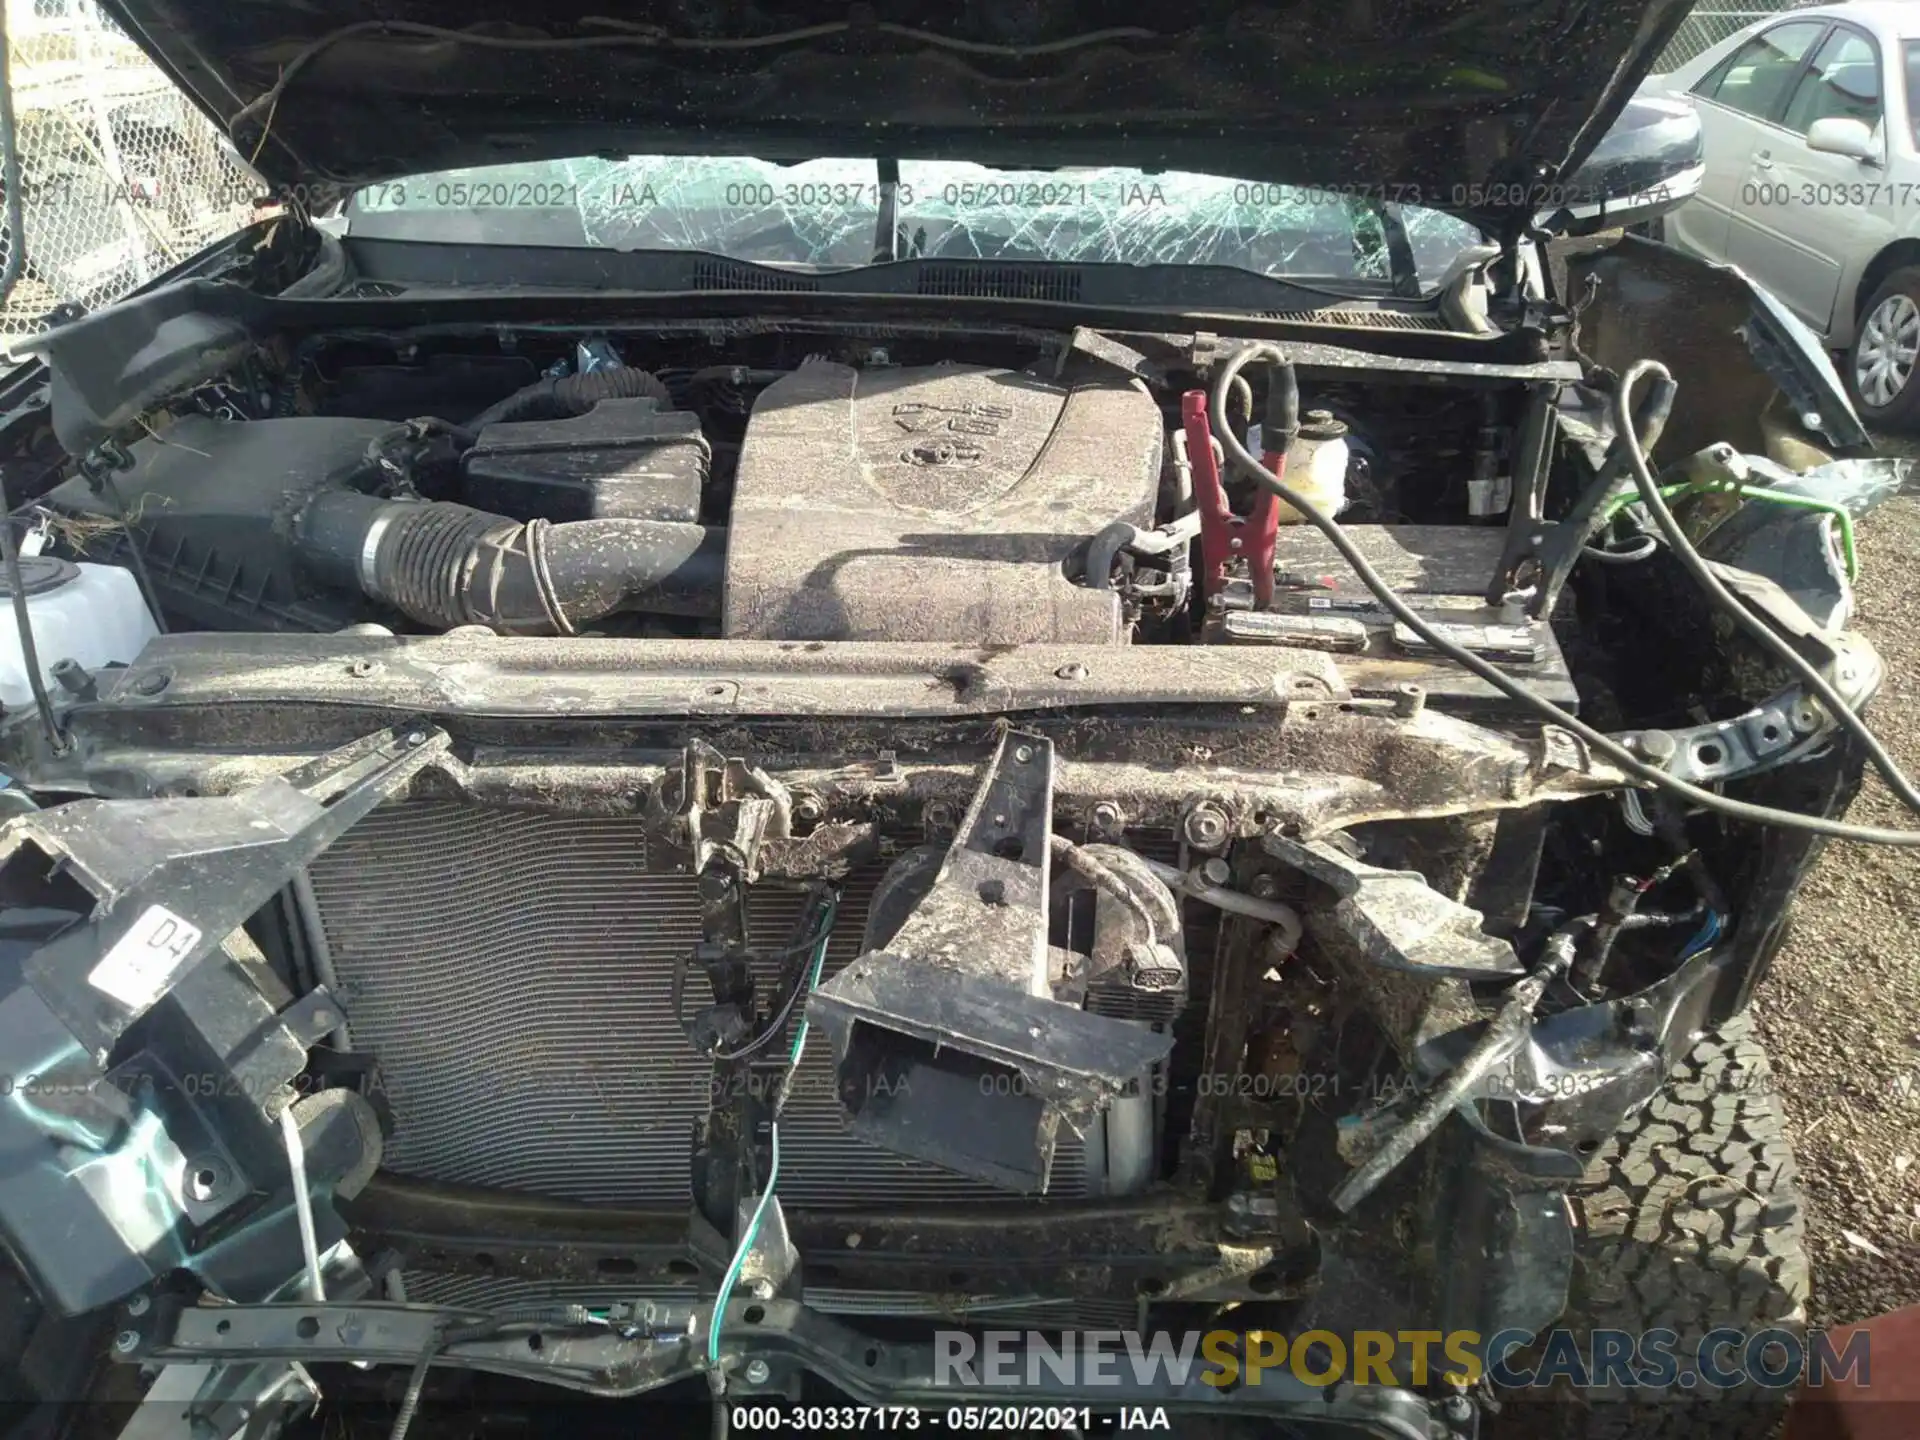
625	459
212	503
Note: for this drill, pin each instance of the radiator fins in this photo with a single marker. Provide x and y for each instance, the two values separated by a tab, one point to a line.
512	970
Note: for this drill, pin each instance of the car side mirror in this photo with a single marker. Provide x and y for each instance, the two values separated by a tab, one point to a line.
1651	161
1839	135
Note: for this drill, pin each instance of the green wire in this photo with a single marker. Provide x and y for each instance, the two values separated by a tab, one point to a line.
1843	521
752	1233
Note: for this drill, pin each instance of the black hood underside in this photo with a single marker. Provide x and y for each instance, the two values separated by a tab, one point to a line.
1457	104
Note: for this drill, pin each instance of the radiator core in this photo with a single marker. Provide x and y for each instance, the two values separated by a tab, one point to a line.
512	972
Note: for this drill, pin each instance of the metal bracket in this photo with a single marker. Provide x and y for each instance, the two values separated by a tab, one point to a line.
773	1259
1776	732
728	808
884	1370
169	880
949	1044
722	956
1397	919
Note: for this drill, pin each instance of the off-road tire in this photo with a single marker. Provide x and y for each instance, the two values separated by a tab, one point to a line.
1689	1220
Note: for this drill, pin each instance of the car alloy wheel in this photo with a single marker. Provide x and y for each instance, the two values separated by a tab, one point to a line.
1889	343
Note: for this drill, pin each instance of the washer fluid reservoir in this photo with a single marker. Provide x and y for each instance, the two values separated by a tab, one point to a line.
93	615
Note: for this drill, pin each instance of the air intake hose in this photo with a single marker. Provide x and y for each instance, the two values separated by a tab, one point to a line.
560	395
448	565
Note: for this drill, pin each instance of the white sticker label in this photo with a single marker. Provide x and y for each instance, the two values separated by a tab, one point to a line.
137	970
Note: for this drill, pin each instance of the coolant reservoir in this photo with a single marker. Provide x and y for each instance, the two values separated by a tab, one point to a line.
1317	466
91	614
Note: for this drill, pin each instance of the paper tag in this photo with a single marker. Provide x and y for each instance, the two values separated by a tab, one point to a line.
140	967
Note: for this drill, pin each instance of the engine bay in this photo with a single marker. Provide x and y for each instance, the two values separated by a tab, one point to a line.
1183	896
872	494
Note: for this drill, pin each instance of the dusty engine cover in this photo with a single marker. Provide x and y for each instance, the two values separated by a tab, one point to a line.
933	503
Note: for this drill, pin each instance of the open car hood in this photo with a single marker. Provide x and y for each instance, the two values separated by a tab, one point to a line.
1471	106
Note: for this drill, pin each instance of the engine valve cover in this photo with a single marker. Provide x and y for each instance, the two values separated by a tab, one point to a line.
933	503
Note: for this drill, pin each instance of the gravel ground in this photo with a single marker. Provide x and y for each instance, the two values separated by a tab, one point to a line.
1840	1014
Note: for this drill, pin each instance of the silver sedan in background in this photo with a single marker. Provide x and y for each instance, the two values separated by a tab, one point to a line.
1809	121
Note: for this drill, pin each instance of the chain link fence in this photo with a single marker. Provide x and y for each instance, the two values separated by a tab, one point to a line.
121	178
1705	28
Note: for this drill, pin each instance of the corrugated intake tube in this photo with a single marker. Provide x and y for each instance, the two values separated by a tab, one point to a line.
446	565
556	396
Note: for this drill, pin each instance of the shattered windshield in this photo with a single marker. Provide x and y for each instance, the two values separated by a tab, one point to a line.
828	214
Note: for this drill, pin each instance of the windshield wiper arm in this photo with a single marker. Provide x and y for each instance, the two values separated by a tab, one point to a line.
886	225
1401	266
1402	269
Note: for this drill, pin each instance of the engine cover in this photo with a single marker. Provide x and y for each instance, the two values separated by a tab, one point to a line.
933	503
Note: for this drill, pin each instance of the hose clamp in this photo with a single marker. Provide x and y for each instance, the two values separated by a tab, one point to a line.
543	577
370	551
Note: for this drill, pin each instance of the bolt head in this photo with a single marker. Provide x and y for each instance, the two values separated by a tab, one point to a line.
127	1341
152	683
1657	745
139	1305
761	1289
1205	828
1216	871
758	1372
1074	671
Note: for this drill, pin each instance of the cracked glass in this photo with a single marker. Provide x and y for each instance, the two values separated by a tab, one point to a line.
826	214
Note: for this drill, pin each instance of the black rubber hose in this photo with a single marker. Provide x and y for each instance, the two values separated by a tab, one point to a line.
446	565
554	396
554	1317
416	1387
1643	548
23	621
1390	599
1282	420
326	275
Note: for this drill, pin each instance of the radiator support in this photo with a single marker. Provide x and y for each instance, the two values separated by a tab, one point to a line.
949	1045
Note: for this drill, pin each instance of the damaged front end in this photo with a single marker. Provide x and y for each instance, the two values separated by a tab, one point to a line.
786	841
1163	1007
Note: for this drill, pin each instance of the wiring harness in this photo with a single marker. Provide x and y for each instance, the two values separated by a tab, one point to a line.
731	1276
1630	447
